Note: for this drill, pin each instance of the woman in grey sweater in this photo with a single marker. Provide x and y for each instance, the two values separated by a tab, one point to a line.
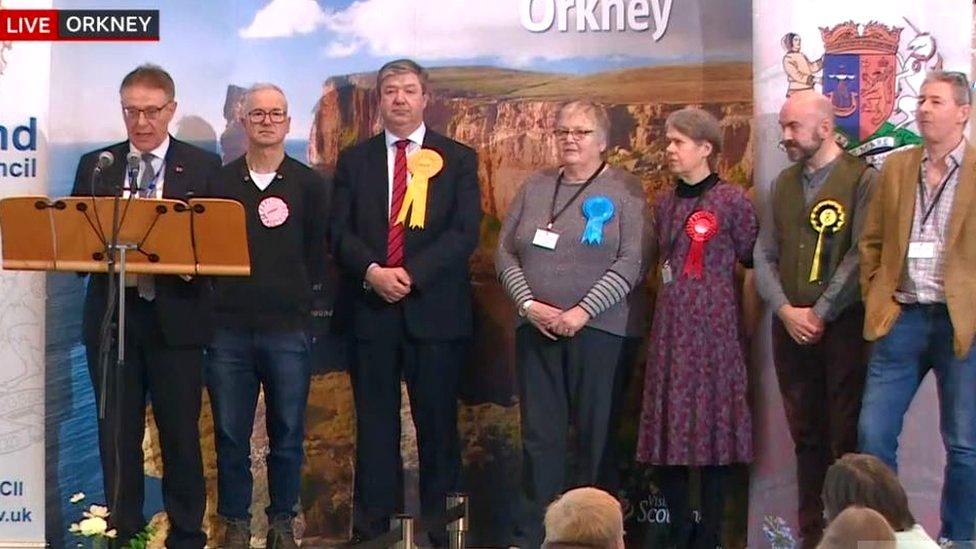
571	256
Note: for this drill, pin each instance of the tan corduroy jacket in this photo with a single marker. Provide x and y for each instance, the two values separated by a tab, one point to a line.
883	246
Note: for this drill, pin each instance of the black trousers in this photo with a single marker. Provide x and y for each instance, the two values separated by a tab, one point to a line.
674	483
431	370
822	385
578	381
172	379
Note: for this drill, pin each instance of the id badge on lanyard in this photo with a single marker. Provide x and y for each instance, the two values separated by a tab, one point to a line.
544	238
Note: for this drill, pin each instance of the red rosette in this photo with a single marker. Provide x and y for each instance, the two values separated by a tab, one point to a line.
701	227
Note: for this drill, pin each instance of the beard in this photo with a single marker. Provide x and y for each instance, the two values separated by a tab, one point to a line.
798	152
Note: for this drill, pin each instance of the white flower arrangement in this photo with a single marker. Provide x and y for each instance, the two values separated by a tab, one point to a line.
93	527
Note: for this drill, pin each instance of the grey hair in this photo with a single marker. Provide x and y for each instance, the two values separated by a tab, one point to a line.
596	113
699	125
262	86
961	91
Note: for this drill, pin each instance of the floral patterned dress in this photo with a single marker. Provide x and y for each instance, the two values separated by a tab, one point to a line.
695	411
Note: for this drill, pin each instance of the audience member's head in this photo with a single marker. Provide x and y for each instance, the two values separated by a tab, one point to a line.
864	480
584	517
858	528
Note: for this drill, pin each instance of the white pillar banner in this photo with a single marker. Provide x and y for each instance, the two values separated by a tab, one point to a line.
24	92
869	58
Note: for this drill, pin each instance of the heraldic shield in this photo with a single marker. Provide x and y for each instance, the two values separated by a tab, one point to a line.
859	75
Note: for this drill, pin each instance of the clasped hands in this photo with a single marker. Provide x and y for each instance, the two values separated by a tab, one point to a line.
802	323
390	283
553	322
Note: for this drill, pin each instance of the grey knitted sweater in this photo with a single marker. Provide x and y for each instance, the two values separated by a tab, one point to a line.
604	279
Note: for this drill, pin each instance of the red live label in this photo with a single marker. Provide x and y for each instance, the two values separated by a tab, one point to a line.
79	25
28	24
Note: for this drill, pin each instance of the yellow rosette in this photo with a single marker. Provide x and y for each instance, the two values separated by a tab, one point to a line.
827	216
423	165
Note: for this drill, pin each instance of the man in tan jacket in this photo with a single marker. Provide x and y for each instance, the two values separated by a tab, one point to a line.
918	276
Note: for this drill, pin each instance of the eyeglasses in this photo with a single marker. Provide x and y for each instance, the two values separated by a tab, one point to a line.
257	116
151	113
563	133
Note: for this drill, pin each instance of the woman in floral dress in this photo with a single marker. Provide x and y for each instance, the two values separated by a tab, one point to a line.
695	413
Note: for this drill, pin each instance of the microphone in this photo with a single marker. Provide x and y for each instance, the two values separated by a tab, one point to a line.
105	159
132	162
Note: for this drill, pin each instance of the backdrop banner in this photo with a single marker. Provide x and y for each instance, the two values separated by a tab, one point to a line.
24	89
870	59
499	72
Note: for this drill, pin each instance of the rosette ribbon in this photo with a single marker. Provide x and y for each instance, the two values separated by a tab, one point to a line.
827	217
423	165
702	225
597	210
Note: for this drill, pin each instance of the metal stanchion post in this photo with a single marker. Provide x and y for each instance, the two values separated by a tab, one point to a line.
405	522
457	529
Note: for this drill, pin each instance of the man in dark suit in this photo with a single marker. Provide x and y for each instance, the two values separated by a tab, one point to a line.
168	322
406	294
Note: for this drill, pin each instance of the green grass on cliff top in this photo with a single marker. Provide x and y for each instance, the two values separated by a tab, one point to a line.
713	82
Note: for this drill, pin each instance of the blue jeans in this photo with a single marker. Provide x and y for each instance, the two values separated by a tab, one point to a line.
243	360
921	339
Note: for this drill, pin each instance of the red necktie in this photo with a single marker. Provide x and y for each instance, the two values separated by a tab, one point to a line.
394	239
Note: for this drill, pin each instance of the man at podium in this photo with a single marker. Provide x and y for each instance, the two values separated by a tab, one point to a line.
168	323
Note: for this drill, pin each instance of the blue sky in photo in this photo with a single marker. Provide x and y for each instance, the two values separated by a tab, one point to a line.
201	46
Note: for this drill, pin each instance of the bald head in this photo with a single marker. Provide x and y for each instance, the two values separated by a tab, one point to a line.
807	123
809	103
857	528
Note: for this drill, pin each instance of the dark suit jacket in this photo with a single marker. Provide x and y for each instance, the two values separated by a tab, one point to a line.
184	308
436	257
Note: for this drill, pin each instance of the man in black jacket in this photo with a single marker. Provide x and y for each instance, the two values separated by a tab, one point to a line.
168	322
262	321
403	244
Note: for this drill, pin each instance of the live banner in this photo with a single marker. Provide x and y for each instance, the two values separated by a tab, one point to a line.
24	93
870	59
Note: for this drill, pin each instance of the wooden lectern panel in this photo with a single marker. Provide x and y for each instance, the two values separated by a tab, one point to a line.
204	237
160	228
220	237
28	233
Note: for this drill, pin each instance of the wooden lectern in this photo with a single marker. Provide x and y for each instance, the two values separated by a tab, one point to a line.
166	237
203	236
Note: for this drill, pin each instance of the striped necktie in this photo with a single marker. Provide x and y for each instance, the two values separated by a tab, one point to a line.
394	240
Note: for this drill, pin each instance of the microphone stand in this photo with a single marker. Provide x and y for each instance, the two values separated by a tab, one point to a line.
115	294
116	276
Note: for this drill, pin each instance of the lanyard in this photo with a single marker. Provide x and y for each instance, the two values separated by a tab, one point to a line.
151	187
927	211
156	176
553	214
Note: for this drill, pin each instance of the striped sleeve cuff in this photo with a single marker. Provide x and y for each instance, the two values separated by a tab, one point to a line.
513	279
609	290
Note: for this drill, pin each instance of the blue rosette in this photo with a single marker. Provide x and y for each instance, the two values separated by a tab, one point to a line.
597	210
